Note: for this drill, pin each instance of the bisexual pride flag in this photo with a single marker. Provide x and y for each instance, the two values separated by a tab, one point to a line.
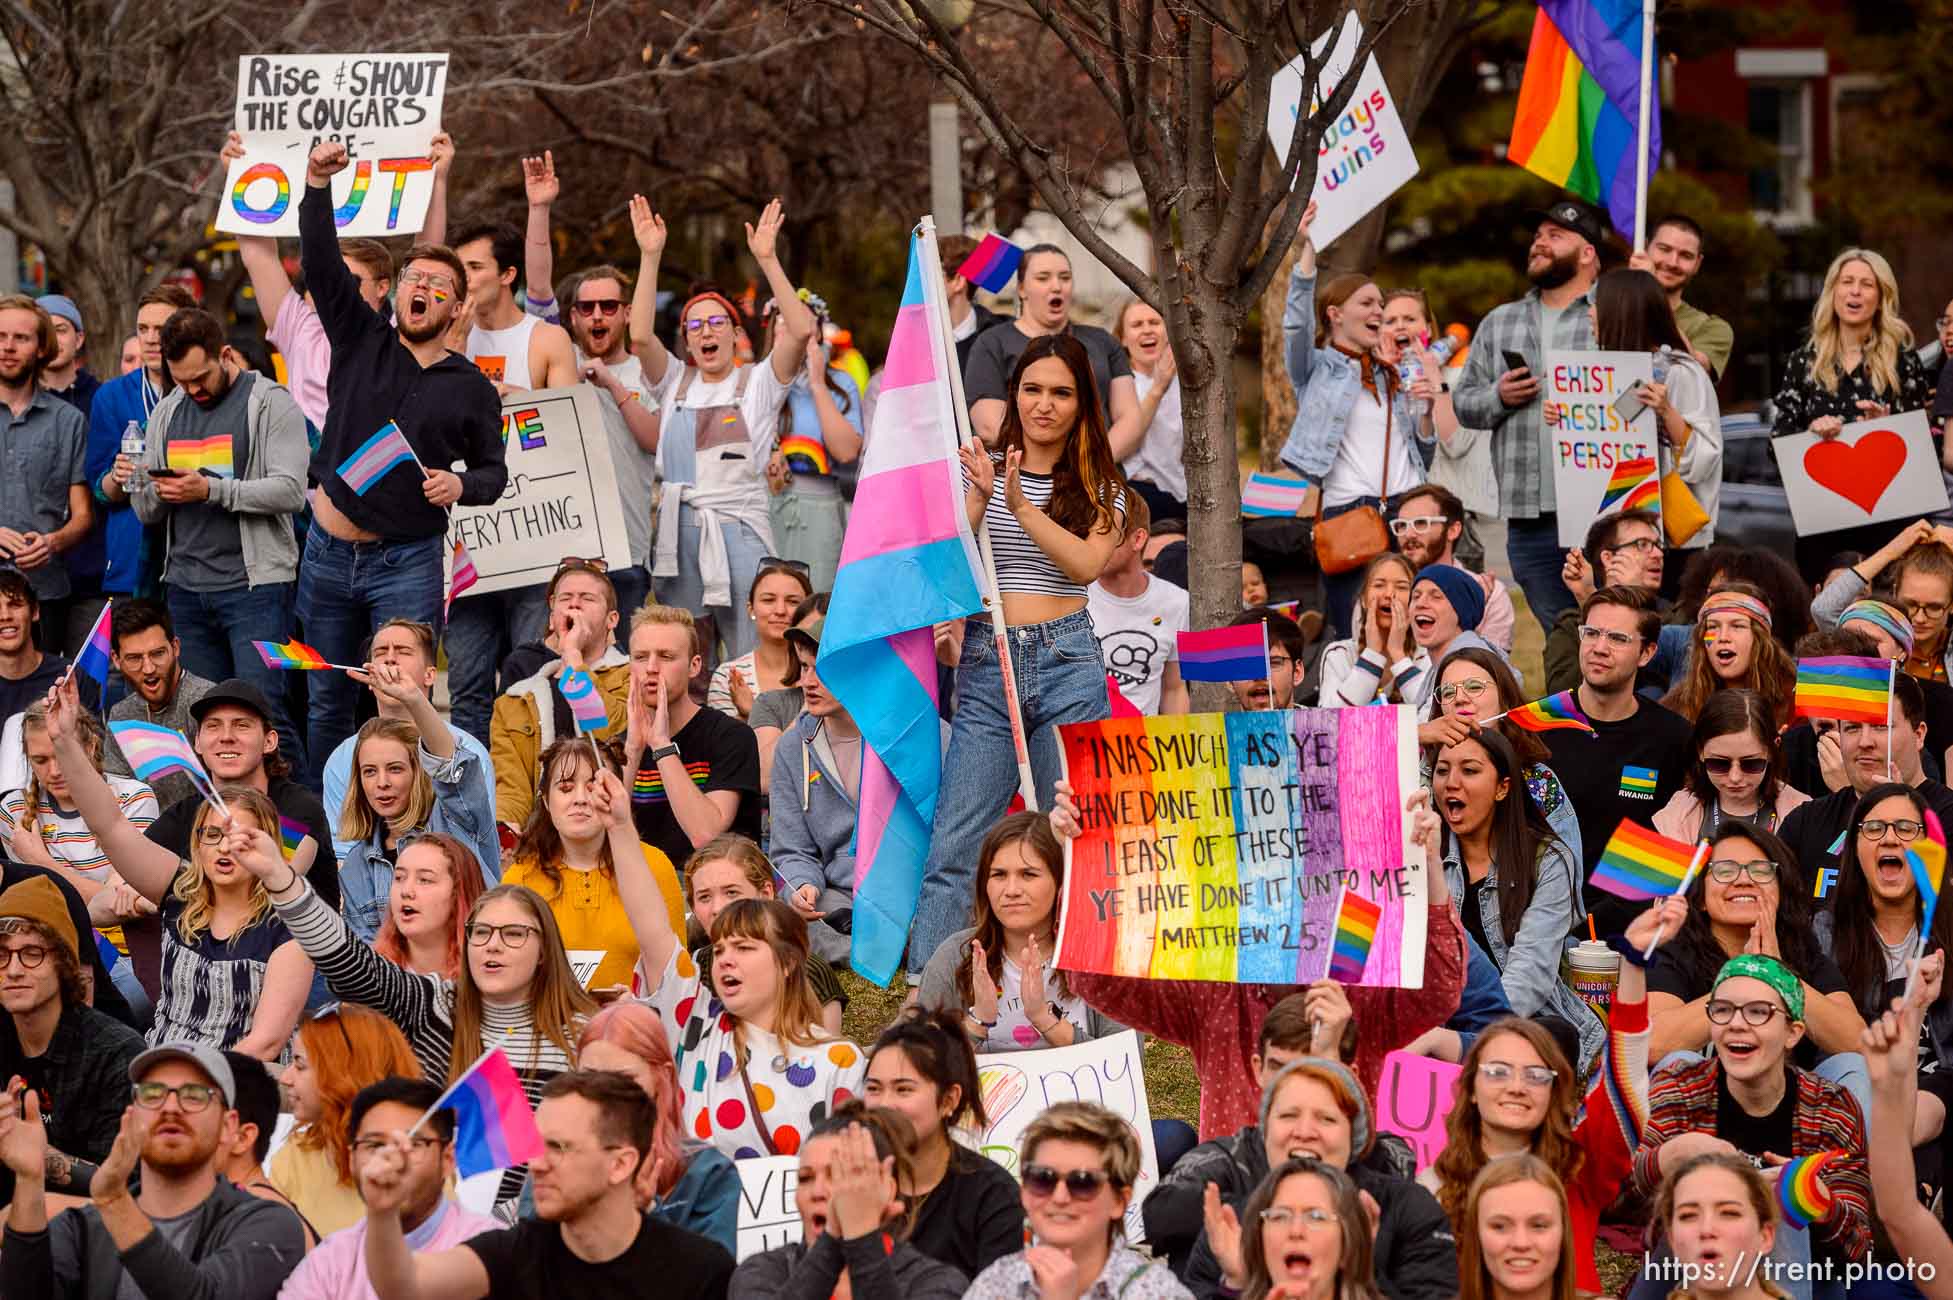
1225	654
909	560
376	458
992	265
493	1125
98	649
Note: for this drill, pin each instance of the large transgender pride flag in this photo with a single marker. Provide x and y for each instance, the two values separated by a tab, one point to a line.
909	561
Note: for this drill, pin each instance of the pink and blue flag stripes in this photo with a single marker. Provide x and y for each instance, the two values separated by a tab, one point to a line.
375	458
585	700
493	1125
154	750
992	263
1225	654
909	560
96	650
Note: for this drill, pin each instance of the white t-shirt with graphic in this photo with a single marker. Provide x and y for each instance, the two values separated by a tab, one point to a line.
1013	1032
1138	636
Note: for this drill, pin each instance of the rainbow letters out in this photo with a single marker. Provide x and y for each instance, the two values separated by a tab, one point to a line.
1215	846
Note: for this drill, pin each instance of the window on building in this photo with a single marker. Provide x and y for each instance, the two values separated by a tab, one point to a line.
1780	121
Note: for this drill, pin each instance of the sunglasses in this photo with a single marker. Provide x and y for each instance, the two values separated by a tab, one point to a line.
332	1009
800	567
1083	1184
592	306
1750	766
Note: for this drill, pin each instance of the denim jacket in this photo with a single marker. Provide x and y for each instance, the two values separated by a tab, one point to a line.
463	808
1530	964
1326	384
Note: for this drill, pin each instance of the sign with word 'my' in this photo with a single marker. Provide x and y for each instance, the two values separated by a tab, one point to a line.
1215	846
1365	155
1414	1098
1872	472
1017	1086
1605	457
767	1214
562	497
385	108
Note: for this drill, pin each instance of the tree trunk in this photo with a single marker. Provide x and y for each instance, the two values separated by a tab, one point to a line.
1277	394
1207	410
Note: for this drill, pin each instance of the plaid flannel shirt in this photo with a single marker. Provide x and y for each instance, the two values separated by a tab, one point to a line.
1525	476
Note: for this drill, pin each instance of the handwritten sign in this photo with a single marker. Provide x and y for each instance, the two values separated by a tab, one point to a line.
1365	155
1214	846
1017	1086
1604	443
1873	471
1414	1098
562	498
385	108
767	1214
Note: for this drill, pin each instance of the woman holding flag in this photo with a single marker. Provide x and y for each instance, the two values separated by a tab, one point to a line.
232	975
1054	502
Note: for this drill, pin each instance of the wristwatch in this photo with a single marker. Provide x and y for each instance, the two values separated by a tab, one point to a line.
662	752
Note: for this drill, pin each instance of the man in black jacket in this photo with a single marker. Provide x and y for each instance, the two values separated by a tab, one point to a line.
376	550
187	1235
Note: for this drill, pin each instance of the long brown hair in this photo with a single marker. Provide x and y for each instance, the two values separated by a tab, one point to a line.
347	1048
357	820
1530	748
1772	672
464	873
1734	711
797	1014
541	845
1086	481
1464	1153
1033	831
1474	1278
558	1006
1855	942
1356	1277
1523	845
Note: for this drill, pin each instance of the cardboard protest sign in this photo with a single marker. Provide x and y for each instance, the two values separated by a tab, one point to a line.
1215	846
1365	155
1414	1098
385	108
767	1214
1873	471
1016	1086
1605	445
562	497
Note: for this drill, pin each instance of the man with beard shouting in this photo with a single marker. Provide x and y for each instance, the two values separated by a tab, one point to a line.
1500	391
377	548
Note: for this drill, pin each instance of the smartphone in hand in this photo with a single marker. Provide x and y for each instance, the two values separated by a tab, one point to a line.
1514	361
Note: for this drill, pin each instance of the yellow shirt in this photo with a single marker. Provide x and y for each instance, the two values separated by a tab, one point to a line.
591	915
311	1181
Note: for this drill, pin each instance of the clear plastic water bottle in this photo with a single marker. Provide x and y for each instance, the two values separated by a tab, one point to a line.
1410	369
1664	355
133	446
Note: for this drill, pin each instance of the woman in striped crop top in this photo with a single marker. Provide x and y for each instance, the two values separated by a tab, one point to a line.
1054	501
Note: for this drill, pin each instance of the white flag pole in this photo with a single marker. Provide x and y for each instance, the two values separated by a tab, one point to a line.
1646	117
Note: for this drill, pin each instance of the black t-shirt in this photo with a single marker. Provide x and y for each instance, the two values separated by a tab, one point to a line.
16	693
1626	769
1758	1135
994	356
1672	973
720	753
1815	832
1471	909
973	1218
530	1262
172	830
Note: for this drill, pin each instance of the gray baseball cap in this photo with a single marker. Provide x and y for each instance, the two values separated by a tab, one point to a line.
204	1057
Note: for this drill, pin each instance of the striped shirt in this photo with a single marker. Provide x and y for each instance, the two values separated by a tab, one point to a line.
66	835
1022	565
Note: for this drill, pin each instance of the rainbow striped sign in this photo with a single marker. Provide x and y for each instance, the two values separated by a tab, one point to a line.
1221	847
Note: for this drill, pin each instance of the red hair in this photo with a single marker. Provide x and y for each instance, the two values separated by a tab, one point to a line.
464	873
347	1048
637	1029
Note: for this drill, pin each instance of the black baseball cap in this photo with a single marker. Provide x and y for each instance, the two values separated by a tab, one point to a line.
1583	219
235	691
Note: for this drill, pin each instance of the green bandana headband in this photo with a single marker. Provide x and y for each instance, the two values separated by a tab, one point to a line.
1772	972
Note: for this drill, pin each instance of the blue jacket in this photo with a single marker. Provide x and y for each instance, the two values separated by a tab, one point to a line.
813	817
1326	384
1482	1000
463	808
115	547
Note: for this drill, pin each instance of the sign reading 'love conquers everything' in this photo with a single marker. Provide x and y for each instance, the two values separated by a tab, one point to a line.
1873	471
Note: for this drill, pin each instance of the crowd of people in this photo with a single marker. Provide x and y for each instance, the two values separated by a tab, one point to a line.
364	893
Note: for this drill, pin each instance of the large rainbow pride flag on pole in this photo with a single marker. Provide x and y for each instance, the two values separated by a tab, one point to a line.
1580	104
909	561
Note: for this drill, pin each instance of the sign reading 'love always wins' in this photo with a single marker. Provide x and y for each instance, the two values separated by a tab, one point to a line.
1873	471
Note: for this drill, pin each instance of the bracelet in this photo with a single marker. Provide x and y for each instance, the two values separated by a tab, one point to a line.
985	1025
1619	943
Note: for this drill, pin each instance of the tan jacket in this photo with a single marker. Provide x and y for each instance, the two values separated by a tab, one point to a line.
523	725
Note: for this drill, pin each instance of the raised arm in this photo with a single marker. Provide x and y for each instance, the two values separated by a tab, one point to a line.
796	321
539	183
840	430
644	907
392	683
259	253
1889	1046
335	293
146	865
648	228
440	151
395	1270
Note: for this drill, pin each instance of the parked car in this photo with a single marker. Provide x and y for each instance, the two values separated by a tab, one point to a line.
1753	510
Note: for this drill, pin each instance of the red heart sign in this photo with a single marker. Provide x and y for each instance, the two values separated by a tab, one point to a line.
1861	472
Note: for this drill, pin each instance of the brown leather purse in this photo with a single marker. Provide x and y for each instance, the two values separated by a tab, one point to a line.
1353	538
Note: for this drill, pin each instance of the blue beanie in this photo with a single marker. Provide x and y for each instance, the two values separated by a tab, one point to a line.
1460	588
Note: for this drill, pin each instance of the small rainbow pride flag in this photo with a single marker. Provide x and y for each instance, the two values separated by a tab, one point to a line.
290	655
376	458
461	575
1632	485
1802	1197
1271	496
585	700
289	834
1850	688
1225	654
992	264
1554	713
1289	609
493	1125
1356	929
97	650
1640	864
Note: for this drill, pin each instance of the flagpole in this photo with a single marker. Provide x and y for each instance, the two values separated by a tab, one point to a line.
1641	134
1891	686
1688	878
936	294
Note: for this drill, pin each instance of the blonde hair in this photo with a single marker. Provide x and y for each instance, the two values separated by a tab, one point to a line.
1092	1125
666	616
193	889
357	820
35	718
1890	334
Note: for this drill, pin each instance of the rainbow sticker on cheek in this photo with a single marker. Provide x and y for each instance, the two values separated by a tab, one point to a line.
279	203
438	294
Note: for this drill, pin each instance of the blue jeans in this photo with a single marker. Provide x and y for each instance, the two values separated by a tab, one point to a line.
633	587
217	629
1532	547
481	632
687	591
1060	678
345	591
1340	590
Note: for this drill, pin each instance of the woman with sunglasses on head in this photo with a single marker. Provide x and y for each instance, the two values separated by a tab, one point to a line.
821	424
409	775
1080	1162
717	422
436	880
855	1213
1736	651
777	591
336	1052
1054	501
1738	773
965	1206
232	975
1519	1241
726	870
1307	1236
1519	1094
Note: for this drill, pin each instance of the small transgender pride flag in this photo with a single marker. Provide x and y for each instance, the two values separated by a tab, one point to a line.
993	263
154	750
493	1125
461	575
1271	496
96	650
585	700
376	457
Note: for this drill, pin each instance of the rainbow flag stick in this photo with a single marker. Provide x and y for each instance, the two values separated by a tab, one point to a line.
1695	865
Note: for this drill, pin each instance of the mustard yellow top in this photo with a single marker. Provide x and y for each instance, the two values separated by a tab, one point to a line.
311	1181
591	915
